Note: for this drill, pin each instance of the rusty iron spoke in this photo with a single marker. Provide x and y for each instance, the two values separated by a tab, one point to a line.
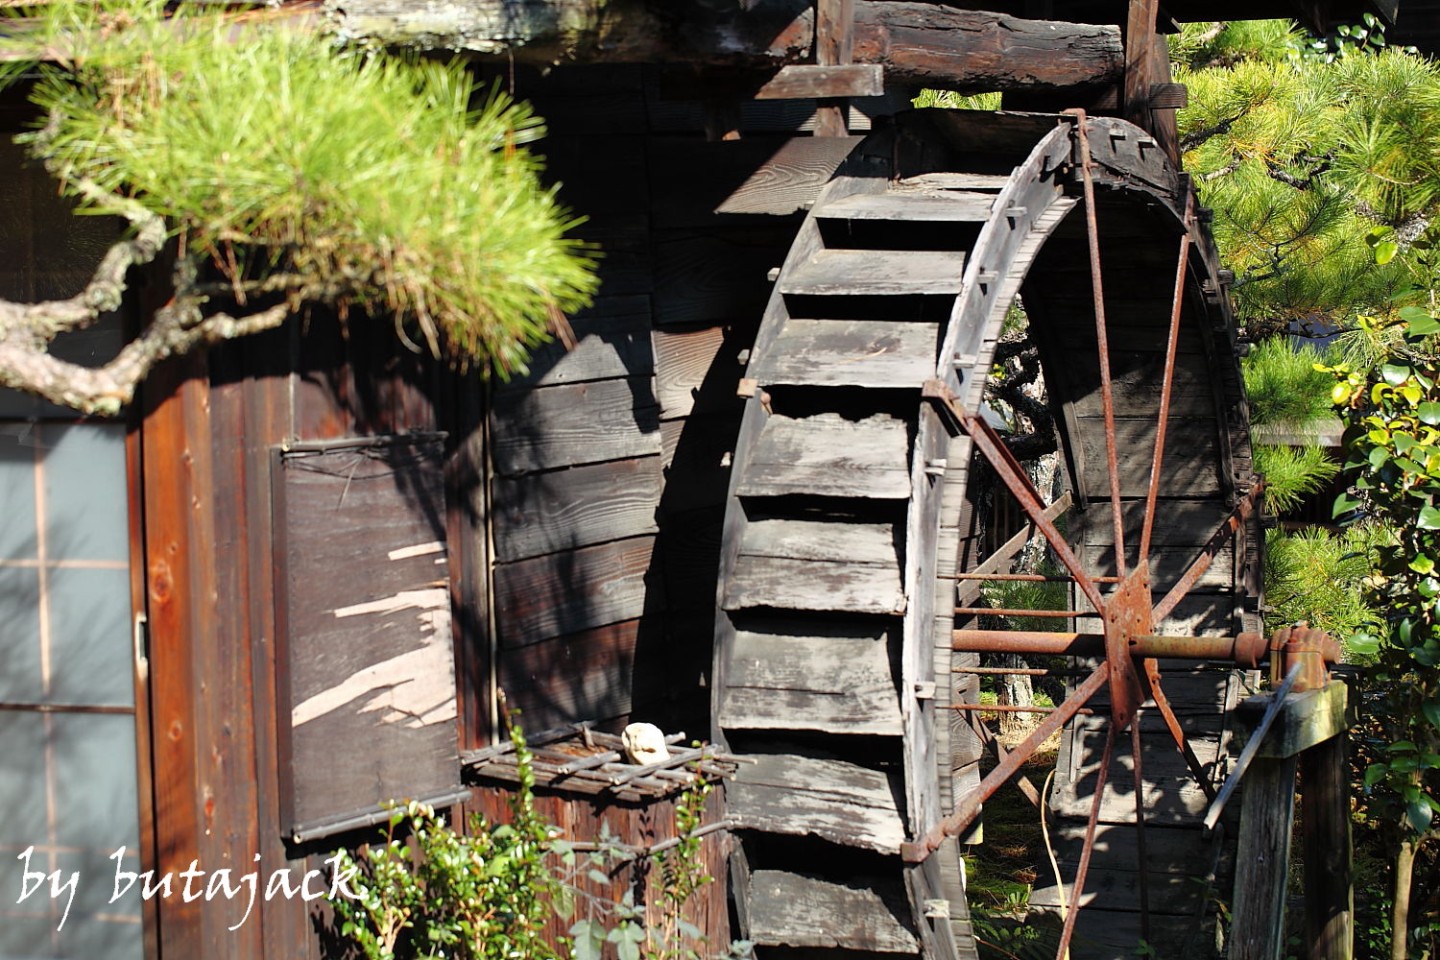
1102	342
1078	890
1013	475
1142	861
1197	569
1167	383
919	849
1172	723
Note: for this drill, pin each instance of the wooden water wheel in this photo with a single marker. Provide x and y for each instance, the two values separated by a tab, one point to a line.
840	672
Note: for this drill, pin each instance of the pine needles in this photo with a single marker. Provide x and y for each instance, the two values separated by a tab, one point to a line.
354	177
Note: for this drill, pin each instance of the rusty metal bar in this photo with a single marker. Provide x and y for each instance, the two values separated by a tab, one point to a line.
1142	861
918	850
1247	649
1007	708
1010	471
1237	518
1167	384
1078	890
1021	577
1102	342
1019	672
1172	723
1007	612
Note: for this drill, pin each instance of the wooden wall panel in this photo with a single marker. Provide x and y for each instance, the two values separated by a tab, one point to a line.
572	591
574	423
559	510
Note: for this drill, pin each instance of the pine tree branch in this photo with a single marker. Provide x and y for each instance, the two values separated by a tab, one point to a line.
26	364
1197	137
1321	166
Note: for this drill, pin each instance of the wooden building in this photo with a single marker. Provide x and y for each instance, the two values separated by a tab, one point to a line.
289	582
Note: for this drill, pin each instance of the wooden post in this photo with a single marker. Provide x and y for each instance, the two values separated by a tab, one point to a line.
1309	736
1329	867
834	44
1267	816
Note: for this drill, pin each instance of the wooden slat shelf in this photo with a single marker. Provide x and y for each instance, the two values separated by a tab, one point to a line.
576	759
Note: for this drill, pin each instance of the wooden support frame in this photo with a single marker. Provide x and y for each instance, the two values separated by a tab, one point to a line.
1306	738
834	46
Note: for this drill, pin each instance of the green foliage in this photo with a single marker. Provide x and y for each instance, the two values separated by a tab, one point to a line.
347	176
1028	595
1319	576
951	100
428	891
1291	473
1304	159
1283	385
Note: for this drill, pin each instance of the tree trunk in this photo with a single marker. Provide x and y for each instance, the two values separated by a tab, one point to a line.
918	43
1400	913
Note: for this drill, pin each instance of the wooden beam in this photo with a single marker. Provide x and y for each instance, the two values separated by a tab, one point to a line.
834	45
1257	921
1329	862
1304	720
917	43
806	81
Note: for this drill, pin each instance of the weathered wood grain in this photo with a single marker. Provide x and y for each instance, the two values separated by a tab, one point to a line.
1191	458
827	454
837	680
793	909
588	675
804	81
889	272
863	543
612	340
712	278
911	205
572	424
798	795
917	43
850	353
698	370
571	591
815	585
563	509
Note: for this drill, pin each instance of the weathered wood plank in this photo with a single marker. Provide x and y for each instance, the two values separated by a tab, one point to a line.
698	370
572	424
862	543
612	340
803	81
790	178
850	353
792	909
1191	458
572	591
814	585
798	795
1305	720
947	180
888	272
838	680
712	278
828	455
1267	818
911	205
563	509
588	675
917	43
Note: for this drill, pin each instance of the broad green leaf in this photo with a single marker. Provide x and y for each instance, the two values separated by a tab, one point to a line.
1429	519
1385	251
1394	374
1419	814
1429	412
1375	773
1423	565
1363	644
1378	458
1344	503
1431	710
1419	322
